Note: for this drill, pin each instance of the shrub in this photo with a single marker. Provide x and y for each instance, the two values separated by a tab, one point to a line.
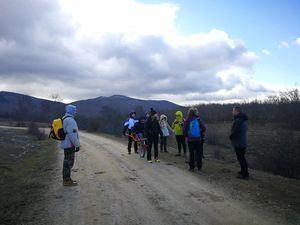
35	131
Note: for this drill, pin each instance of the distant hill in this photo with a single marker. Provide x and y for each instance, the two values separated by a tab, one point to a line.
24	107
122	104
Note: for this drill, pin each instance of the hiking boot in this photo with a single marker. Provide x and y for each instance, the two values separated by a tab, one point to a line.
149	161
157	160
69	183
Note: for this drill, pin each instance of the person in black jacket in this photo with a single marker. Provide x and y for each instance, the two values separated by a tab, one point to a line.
152	131
139	127
238	139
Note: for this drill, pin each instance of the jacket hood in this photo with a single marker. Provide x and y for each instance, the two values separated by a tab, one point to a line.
242	116
162	116
179	114
71	109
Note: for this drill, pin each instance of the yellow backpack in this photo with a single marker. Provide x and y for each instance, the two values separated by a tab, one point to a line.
57	130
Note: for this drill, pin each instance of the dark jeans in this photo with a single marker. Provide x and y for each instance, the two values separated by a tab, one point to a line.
130	140
68	163
152	140
180	139
240	154
196	151
163	143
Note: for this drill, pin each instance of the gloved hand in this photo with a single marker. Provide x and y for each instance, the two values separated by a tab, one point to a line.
77	149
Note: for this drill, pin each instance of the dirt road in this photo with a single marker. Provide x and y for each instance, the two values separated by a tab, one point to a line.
117	188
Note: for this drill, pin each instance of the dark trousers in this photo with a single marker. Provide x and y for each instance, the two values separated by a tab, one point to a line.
180	139
240	154
130	140
163	143
68	163
152	140
196	149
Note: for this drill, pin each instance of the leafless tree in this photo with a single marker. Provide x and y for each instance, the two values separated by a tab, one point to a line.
56	97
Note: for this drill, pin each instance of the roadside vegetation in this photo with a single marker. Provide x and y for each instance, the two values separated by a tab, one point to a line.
26	165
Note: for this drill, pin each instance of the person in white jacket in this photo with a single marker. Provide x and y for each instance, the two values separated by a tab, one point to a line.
165	128
70	144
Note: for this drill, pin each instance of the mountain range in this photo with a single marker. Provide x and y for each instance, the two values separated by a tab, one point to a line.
14	105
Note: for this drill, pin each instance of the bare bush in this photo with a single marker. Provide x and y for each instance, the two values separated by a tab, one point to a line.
35	131
282	156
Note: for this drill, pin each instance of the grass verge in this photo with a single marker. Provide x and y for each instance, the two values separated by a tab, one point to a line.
25	170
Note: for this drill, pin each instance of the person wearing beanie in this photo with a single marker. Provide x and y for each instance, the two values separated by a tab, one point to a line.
70	144
152	131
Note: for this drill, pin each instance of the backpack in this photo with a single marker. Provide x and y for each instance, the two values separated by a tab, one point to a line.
194	129
57	130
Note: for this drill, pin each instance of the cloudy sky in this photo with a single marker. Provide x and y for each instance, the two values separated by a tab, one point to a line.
184	51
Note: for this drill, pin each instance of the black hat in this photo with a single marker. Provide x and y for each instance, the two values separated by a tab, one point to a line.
152	112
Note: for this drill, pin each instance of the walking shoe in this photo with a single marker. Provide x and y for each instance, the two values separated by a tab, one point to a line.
69	183
149	161
243	177
74	181
157	160
136	152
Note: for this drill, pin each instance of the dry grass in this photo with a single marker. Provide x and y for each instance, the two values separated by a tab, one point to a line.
25	164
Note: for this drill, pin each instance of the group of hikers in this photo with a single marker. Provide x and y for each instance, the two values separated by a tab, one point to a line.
189	131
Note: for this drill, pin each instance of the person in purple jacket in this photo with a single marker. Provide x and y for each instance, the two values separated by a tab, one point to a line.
193	130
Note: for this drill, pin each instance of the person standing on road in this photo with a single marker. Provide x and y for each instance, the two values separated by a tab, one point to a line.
177	127
165	127
139	127
194	129
129	124
238	138
70	144
152	131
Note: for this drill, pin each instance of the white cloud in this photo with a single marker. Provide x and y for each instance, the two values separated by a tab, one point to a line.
84	50
266	52
297	41
283	44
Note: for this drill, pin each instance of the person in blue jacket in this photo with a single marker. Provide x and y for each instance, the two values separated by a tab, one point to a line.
70	144
128	125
